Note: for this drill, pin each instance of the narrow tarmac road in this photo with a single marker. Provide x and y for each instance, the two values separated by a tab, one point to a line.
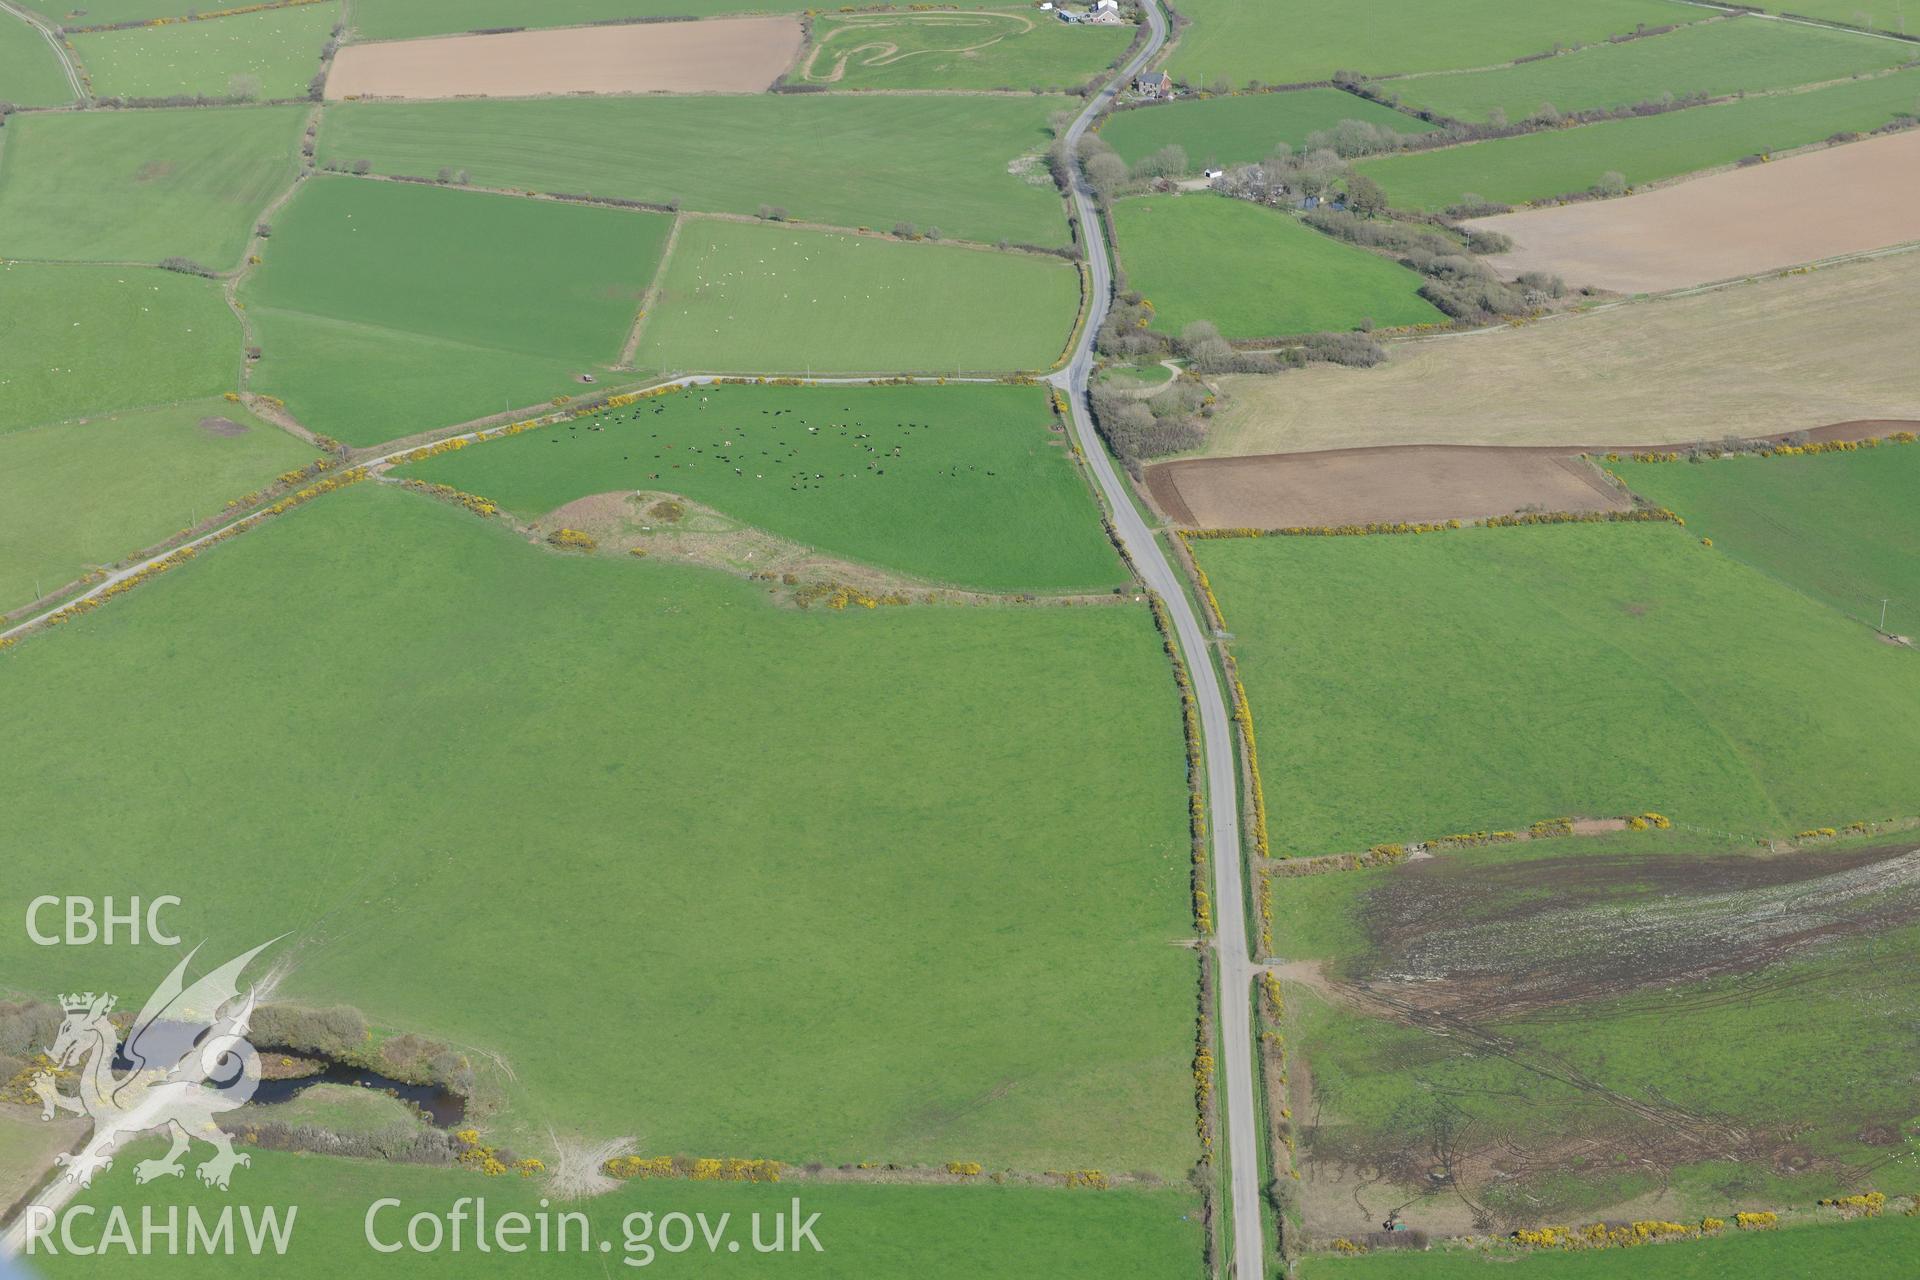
1229	896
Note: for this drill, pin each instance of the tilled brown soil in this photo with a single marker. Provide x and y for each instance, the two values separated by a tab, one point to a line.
1424	482
720	55
1847	199
1359	486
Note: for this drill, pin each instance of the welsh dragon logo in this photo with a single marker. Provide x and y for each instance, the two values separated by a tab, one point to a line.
185	1060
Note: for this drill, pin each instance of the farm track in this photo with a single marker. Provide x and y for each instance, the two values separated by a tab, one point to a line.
1236	969
375	458
59	50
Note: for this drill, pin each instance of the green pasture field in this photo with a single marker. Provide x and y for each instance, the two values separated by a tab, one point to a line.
364	385
1841	527
937	1232
77	339
30	73
958	484
1898	16
1876	1249
1538	166
1736	55
765	298
271	54
1519	674
81	494
1790	1041
994	49
140	186
720	781
491	296
1244	127
27	1147
96	13
1254	272
1299	41
850	160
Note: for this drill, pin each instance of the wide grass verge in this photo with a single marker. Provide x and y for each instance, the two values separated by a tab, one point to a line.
142	186
29	68
1842	527
1297	41
761	297
81	339
958	484
941	1232
1256	273
1880	1249
968	165
466	303
86	493
271	54
1516	674
1737	55
1241	128
1003	49
720	781
1536	166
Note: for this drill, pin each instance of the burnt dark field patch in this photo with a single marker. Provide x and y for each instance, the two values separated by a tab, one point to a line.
1503	939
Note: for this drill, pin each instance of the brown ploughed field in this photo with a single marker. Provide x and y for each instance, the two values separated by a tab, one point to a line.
1362	486
1846	199
720	55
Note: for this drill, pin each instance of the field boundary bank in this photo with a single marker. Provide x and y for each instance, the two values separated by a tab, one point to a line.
1068	253
1801	19
368	459
212	15
630	349
125	580
1569	828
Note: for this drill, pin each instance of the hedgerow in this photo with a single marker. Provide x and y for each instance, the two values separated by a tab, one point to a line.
727	1169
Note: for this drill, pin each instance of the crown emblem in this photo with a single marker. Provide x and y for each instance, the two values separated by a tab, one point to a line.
81	1004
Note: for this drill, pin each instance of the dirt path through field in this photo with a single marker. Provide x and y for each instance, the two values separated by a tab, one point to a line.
67	64
718	55
1823	204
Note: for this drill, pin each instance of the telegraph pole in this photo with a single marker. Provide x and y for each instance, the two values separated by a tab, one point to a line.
1884	602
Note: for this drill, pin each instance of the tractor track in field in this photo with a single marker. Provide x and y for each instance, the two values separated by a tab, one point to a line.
67	64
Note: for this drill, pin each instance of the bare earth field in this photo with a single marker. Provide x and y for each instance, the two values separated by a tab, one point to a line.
1790	353
721	55
1865	195
1358	486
